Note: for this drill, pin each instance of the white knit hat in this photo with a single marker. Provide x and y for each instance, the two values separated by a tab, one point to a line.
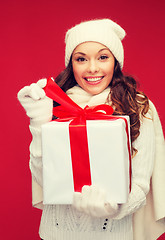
104	31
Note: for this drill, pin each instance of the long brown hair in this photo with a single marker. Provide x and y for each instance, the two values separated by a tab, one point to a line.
127	100
124	96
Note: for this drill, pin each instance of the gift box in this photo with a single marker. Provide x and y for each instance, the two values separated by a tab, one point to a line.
83	147
108	156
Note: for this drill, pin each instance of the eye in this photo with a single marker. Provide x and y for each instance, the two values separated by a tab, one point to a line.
80	59
103	57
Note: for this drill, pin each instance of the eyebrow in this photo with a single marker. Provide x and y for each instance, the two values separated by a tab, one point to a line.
80	53
85	54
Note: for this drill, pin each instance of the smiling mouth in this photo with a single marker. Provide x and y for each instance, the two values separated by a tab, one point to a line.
93	79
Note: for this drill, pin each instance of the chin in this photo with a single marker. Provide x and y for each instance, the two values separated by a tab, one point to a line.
94	92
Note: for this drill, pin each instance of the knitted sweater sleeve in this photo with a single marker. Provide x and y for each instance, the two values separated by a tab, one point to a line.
35	163
142	167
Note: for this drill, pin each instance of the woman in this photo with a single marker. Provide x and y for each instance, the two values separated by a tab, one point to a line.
93	75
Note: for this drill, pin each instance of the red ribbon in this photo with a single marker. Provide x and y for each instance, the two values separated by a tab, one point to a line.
69	110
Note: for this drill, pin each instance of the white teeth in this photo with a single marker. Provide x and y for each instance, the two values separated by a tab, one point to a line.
93	79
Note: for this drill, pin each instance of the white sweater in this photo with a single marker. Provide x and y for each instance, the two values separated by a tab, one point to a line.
61	222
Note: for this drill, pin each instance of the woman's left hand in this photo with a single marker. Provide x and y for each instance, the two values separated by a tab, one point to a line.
92	201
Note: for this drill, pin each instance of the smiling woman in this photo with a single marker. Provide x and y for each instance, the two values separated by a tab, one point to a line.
93	75
93	66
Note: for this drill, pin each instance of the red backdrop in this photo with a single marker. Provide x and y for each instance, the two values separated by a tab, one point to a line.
32	47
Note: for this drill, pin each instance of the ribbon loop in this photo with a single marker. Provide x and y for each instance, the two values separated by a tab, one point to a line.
67	107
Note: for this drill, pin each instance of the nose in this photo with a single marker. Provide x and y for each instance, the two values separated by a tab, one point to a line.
93	67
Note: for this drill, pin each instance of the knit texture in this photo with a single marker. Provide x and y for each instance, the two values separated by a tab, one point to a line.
104	31
61	222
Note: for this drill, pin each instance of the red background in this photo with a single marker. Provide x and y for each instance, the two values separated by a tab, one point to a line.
32	47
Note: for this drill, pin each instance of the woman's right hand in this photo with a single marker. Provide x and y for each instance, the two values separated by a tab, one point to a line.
37	105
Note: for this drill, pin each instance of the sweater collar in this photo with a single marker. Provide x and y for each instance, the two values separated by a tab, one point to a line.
83	98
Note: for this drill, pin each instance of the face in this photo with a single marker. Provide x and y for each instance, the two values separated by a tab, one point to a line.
93	66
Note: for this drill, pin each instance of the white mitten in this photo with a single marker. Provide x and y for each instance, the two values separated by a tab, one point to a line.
39	108
92	201
37	105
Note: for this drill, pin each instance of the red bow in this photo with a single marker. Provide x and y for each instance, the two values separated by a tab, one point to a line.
69	110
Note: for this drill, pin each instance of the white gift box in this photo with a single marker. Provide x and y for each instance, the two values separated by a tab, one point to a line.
108	154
